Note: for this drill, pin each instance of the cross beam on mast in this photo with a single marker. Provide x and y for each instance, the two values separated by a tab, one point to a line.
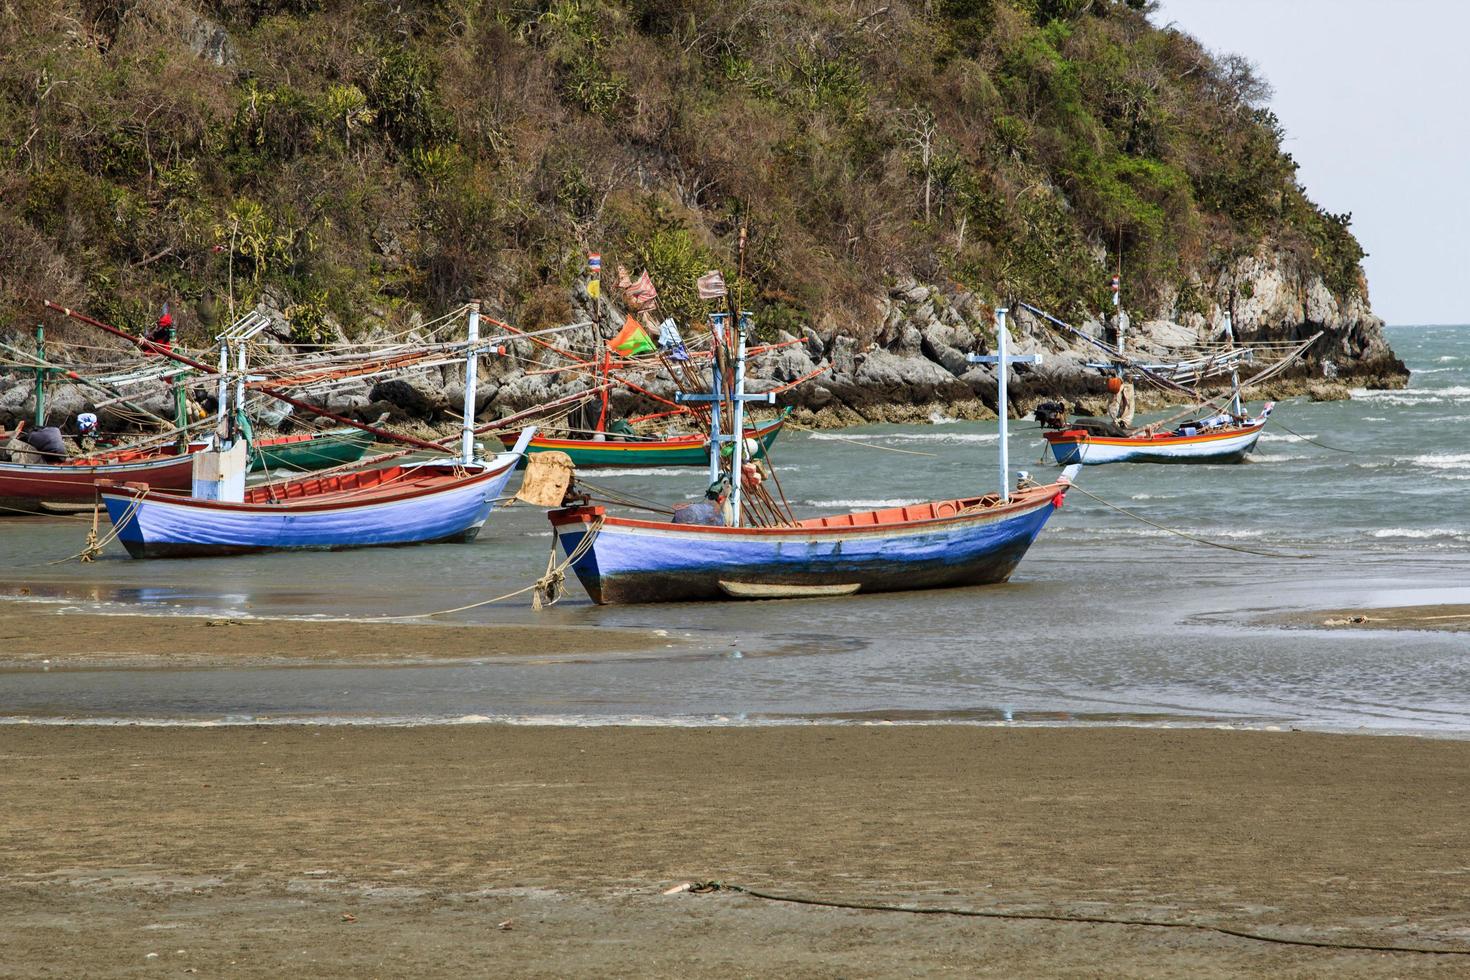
1003	361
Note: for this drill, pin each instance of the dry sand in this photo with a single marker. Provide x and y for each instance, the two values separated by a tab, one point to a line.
490	850
1446	618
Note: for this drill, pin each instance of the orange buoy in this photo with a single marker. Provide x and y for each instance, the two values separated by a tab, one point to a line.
1115	384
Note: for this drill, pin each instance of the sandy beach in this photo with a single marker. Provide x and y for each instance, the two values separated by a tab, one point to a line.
1443	618
40	635
492	850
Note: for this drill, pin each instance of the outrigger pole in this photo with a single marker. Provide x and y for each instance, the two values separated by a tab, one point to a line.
148	346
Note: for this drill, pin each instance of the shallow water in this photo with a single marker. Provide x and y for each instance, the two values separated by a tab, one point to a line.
1106	621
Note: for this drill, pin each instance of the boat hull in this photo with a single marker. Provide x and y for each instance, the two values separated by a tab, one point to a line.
25	485
1230	446
900	549
316	452
690	450
450	509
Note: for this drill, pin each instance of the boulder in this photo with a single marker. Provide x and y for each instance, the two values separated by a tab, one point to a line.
410	398
886	377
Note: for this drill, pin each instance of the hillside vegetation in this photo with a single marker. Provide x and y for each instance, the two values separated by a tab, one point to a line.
357	162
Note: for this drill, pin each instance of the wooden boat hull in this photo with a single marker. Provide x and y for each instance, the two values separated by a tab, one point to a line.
25	485
927	546
317	451
1230	445
436	502
690	450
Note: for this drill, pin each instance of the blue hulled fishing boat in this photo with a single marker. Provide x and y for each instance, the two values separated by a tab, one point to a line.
708	552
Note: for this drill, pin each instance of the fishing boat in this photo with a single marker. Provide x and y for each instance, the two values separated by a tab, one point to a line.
310	451
940	544
1218	439
708	551
682	450
408	503
1226	436
66	484
27	485
415	503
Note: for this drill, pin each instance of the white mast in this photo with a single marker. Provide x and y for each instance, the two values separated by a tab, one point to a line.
471	370
1003	360
737	430
1235	407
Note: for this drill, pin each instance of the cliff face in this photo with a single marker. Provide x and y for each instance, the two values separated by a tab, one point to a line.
899	169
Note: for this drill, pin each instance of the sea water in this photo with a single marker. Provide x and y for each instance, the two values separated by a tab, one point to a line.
1108	620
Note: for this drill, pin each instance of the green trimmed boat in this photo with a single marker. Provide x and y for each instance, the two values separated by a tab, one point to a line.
310	451
690	450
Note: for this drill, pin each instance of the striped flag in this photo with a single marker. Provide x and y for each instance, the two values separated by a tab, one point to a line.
711	285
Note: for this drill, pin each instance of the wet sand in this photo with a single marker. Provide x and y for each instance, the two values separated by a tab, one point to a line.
1445	618
495	850
38	635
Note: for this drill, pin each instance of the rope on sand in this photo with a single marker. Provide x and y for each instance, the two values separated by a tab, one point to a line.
706	887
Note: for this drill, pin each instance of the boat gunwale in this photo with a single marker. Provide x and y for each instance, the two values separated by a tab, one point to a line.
693	441
339	500
1021	503
1083	437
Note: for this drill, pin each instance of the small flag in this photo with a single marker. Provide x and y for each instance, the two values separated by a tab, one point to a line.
641	294
632	339
1115	285
594	274
711	285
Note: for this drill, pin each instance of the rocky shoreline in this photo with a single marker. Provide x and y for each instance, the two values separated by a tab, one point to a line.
915	370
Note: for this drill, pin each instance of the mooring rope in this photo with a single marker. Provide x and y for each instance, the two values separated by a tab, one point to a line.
1283	425
94	547
859	442
707	887
1185	534
548	585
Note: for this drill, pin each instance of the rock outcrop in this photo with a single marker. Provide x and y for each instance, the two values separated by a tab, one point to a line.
917	367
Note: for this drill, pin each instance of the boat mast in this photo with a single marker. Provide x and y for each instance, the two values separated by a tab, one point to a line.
41	373
220	431
737	397
737	428
1002	359
471	380
717	385
1235	406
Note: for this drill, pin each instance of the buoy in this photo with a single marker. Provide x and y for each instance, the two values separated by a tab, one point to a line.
1115	384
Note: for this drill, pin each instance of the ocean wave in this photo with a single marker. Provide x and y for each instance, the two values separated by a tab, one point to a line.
935	418
1280	457
1409	397
1421	533
862	504
1442	461
908	436
1285	437
1447	358
1374	418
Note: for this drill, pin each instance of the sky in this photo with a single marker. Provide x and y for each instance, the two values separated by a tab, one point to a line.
1375	99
